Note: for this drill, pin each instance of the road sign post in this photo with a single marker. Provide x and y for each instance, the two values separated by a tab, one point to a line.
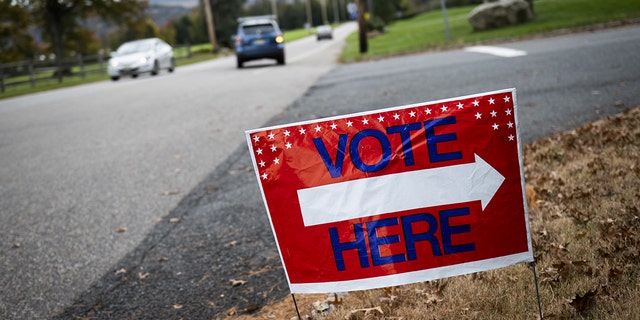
396	196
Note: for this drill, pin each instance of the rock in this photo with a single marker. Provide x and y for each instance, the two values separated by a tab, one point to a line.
500	14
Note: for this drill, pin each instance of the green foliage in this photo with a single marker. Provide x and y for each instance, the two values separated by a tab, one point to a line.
15	41
426	31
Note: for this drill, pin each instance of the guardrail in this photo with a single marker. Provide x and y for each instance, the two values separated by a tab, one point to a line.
32	72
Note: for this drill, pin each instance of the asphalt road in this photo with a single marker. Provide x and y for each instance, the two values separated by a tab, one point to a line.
79	164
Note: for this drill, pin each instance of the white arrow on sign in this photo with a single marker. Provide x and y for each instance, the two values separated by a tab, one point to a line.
401	191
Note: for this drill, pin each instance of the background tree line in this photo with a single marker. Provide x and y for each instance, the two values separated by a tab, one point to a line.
63	28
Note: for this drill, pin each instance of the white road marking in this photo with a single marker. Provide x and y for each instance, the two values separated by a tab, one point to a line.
497	51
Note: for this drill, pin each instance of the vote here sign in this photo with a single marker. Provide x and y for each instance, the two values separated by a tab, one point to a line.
396	196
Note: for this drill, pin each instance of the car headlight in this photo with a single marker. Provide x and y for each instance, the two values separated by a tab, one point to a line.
113	63
143	60
279	39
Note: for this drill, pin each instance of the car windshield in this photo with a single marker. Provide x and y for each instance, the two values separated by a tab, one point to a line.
257	29
137	46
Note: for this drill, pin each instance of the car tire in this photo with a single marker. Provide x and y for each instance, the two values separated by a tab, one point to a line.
135	75
172	65
115	78
281	60
239	63
156	68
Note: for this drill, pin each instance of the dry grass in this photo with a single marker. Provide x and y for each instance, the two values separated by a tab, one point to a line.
583	188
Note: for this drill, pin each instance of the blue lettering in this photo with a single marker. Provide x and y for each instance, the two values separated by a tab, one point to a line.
411	238
359	244
448	230
375	242
405	135
355	152
335	169
433	140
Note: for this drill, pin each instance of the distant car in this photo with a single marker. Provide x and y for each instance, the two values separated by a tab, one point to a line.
324	32
259	38
141	56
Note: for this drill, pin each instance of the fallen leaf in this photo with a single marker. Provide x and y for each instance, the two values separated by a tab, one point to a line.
122	230
174	220
236	283
177	306
143	276
171	192
17	245
580	303
164	259
120	271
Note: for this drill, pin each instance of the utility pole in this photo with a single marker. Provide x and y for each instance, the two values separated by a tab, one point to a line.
309	18
274	9
362	27
210	26
324	12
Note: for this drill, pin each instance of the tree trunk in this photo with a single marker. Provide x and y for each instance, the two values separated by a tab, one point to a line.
362	26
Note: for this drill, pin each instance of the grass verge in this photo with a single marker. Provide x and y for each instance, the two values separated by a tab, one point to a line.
582	189
426	31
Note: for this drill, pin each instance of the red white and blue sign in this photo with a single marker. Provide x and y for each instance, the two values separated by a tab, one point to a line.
396	196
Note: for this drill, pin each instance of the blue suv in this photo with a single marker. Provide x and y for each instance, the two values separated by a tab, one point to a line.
259	38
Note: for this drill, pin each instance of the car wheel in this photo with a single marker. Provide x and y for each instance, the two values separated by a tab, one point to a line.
156	68
172	66
115	78
135	75
240	63
281	59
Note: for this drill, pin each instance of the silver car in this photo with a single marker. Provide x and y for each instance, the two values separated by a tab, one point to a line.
140	56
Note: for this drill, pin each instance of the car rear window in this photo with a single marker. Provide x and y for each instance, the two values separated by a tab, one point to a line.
257	29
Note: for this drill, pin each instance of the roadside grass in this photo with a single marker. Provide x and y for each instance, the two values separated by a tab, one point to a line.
427	31
584	214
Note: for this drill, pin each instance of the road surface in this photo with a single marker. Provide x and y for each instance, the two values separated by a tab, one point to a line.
174	173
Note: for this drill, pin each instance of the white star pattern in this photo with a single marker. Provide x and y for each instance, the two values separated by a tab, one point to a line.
501	123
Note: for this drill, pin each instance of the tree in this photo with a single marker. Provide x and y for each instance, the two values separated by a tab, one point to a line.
59	18
225	15
15	41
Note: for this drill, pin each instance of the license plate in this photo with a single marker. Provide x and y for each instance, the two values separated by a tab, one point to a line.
259	41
